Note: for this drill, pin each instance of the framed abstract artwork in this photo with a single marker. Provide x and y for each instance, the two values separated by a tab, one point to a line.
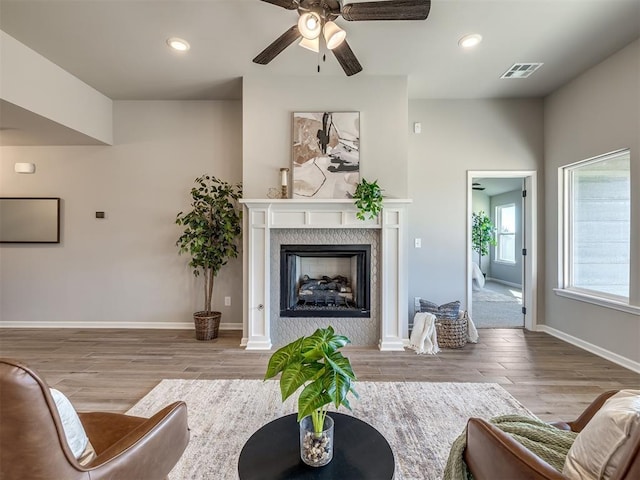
326	154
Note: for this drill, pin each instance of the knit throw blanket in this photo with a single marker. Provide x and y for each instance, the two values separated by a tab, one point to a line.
546	441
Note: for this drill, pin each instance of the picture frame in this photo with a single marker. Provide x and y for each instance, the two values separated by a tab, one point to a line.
326	154
29	220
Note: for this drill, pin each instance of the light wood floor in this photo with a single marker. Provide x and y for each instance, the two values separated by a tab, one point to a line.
110	370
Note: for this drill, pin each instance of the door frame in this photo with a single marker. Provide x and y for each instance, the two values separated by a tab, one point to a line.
530	270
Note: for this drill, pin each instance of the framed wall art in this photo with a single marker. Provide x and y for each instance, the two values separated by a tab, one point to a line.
29	220
326	154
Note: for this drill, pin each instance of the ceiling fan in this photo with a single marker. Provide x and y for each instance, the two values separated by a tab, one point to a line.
477	186
317	19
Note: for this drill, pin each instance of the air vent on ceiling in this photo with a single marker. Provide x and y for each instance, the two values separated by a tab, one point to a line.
521	70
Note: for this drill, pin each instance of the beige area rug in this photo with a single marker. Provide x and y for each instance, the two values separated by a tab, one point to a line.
420	420
487	295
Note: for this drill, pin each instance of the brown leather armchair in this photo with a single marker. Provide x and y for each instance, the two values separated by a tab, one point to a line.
33	444
492	454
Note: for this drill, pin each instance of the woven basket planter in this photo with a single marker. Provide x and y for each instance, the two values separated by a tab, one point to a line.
452	333
207	325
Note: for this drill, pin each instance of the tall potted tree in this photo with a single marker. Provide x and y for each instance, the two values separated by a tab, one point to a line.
482	235
210	235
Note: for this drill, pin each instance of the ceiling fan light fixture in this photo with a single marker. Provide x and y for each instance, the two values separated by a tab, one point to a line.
178	44
333	35
470	41
310	25
311	44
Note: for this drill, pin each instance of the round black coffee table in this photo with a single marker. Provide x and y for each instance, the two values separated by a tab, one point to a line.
359	452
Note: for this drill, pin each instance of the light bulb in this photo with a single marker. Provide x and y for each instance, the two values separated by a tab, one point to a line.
309	25
311	22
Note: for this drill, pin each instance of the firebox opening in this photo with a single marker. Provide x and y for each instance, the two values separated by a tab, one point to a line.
325	280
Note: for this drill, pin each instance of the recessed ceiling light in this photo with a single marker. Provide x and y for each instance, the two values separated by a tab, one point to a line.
469	41
178	44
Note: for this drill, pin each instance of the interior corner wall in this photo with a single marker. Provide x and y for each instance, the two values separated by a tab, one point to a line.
458	136
268	107
596	113
123	270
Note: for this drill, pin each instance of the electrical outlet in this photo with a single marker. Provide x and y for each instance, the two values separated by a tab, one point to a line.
416	303
227	301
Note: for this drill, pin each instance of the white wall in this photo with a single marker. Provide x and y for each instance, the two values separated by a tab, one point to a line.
457	136
34	83
268	107
125	268
596	113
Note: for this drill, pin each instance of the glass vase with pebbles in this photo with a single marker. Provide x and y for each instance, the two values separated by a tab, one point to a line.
316	449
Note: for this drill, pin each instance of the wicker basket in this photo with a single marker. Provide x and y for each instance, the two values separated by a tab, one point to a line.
207	325
452	333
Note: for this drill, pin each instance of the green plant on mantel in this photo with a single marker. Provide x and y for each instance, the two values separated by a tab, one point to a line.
482	234
315	363
211	229
368	199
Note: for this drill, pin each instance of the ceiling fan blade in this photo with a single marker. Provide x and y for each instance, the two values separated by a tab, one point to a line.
389	10
288	4
282	42
347	59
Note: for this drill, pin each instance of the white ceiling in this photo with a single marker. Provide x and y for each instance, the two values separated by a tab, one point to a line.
498	185
118	46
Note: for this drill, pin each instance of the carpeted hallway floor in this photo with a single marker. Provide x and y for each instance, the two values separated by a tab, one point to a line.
497	306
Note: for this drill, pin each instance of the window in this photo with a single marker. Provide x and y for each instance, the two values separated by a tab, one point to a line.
506	230
596	236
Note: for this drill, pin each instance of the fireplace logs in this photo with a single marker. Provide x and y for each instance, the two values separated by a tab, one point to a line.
325	291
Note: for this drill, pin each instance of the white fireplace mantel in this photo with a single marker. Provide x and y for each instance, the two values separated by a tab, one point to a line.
262	215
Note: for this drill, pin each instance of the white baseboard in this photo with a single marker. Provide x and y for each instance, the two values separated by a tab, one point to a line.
504	282
590	347
141	325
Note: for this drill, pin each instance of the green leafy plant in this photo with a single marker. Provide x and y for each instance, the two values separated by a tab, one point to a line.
211	229
368	199
482	234
315	363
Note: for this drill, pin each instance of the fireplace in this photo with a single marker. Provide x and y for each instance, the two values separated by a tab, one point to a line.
325	280
268	224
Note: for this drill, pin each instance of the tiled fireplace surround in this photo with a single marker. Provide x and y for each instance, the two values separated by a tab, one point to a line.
269	223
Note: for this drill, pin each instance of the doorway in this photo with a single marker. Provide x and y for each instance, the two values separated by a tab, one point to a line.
501	275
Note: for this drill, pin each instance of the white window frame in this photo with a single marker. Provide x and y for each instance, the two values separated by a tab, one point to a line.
565	240
499	234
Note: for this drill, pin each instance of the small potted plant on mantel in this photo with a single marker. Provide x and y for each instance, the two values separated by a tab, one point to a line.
315	363
210	236
368	199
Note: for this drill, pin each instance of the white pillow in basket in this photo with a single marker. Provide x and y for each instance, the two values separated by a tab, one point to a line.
604	442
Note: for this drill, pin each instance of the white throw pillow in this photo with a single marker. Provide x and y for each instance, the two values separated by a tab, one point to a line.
599	449
73	430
